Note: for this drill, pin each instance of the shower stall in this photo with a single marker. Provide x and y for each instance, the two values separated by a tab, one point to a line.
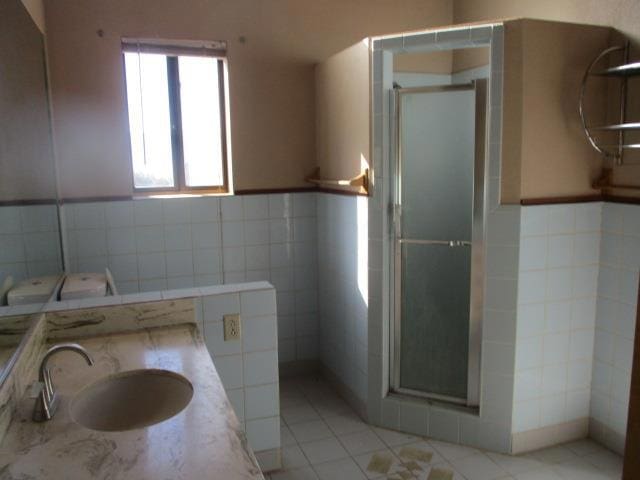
438	241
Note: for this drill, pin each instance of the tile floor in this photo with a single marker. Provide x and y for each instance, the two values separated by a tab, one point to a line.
323	439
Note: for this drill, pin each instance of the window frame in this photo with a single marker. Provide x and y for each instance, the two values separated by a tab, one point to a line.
172	52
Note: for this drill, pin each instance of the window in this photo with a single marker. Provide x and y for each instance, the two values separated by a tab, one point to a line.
177	117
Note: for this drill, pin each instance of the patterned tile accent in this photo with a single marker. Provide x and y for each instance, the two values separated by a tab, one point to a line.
319	432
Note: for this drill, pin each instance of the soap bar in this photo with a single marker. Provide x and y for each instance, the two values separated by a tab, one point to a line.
84	285
32	290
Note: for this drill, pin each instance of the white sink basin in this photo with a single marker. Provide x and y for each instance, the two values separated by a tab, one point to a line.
132	399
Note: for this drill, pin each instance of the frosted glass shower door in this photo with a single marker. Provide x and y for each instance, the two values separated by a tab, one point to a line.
436	215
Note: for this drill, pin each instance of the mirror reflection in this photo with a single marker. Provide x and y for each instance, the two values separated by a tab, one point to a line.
29	233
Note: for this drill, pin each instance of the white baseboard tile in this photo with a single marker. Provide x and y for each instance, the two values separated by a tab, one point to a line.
269	460
346	393
296	368
606	436
538	438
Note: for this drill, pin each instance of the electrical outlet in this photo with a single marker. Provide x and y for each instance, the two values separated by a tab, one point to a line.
232	329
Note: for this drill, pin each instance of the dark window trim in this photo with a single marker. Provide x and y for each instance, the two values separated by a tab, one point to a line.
175	114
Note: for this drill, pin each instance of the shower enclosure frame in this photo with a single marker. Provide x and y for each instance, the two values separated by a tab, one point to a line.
480	176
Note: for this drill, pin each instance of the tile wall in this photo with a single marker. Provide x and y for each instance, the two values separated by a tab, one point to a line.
557	289
29	242
615	322
247	367
343	290
491	428
157	244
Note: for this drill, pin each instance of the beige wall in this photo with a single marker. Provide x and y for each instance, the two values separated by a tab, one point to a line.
623	15
343	113
26	159
439	62
271	77
36	10
545	153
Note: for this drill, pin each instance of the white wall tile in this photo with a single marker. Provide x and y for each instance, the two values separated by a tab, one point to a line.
260	333
151	265
121	241
10	221
179	263
236	398
215	307
205	210
262	401
119	214
206	235
232	208
261	367
147	212
263	434
257	303
87	215
232	234
217	345
256	207
233	260
177	237
176	211
256	232
230	370
150	239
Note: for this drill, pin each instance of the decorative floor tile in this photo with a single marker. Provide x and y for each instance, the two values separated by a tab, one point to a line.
439	472
323	439
420	453
380	464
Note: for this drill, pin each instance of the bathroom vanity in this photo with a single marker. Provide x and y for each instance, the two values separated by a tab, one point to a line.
107	423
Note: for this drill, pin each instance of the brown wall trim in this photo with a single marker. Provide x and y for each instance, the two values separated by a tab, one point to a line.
580	199
122	198
347	193
621	199
17	203
263	191
557	200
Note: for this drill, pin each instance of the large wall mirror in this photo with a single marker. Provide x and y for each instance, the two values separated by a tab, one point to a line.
29	233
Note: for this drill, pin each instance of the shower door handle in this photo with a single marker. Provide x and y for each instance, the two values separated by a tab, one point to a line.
447	243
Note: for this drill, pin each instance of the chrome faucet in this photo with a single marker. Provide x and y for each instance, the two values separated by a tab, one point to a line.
47	400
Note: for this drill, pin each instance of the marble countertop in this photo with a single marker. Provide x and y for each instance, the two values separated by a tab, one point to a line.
204	441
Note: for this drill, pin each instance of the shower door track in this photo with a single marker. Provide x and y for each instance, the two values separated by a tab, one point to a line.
476	244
